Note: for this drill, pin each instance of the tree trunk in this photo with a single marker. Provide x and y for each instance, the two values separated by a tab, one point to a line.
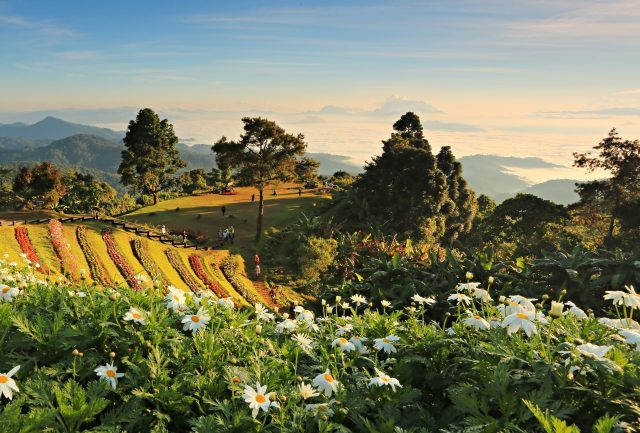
155	198
260	213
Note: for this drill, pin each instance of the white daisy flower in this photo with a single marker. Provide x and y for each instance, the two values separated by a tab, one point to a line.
342	330
383	379
344	344
258	398
619	323
476	322
467	287
523	320
358	299
422	300
303	315
303	341
286	325
194	322
575	310
307	391
386	344
175	299
629	298
385	303
109	373
7	384
593	351
135	315
326	383
263	314
8	293
459	298
631	337
482	295
226	303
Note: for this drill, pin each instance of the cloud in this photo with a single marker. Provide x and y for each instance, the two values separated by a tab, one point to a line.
596	113
435	125
331	109
46	27
629	92
394	106
78	55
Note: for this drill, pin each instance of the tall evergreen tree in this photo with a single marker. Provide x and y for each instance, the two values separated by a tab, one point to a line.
150	158
264	154
408	190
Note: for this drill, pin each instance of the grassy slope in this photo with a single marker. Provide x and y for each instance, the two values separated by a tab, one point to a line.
39	236
122	239
9	245
279	211
156	251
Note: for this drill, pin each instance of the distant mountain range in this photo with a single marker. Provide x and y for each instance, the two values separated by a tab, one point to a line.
491	175
99	149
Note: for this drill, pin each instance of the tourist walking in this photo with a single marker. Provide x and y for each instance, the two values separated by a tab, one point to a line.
299	192
184	237
257	271
163	230
224	210
253	198
256	259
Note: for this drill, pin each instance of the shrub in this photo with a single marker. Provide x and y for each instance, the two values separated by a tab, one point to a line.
314	257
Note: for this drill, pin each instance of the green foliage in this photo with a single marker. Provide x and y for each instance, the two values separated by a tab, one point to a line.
314	256
150	158
86	194
619	195
408	190
40	185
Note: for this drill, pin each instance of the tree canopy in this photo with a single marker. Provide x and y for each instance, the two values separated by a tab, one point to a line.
264	154
150	158
408	190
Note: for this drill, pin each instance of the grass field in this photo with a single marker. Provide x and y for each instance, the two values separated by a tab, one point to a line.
202	213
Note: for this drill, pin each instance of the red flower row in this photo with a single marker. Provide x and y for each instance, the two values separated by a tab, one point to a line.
119	260
198	269
22	236
96	267
181	269
63	250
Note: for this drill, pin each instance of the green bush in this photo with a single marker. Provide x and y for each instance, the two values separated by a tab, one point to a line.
314	257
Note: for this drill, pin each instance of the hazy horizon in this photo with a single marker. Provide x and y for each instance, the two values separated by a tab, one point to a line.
508	78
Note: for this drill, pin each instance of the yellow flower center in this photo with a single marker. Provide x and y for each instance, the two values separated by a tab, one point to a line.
342	341
3	378
522	316
110	373
384	378
261	398
136	315
5	289
477	317
386	340
175	298
195	319
328	377
514	303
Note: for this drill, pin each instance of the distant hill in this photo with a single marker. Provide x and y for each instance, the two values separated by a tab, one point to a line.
21	143
52	128
561	191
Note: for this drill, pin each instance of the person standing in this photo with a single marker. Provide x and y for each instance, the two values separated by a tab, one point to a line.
224	210
163	230
299	192
256	259
253	198
184	237
257	271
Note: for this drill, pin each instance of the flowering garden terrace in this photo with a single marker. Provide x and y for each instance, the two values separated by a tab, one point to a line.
117	359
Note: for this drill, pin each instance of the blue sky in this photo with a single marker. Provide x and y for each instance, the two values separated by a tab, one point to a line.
540	78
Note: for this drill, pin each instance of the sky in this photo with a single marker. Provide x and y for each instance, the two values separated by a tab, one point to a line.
517	78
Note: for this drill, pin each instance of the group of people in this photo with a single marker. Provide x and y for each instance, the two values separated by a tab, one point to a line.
227	234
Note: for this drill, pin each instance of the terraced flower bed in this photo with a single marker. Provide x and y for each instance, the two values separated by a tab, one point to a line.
118	259
22	236
142	254
178	264
97	269
229	268
198	268
68	262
